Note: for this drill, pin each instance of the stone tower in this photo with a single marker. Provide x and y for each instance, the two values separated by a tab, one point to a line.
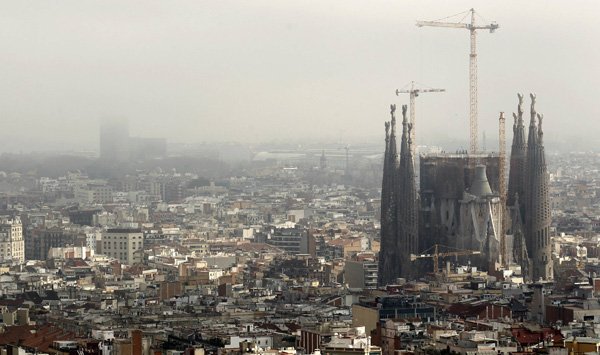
388	263
537	204
516	190
407	202
518	157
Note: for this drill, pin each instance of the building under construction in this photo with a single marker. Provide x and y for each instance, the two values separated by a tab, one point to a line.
460	204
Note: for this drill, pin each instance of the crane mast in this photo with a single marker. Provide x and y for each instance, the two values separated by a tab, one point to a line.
474	146
413	93
472	27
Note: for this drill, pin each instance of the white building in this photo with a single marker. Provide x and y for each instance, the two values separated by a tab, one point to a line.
94	193
261	341
127	245
12	246
70	252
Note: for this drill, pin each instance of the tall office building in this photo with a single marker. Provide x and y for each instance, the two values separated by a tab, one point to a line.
293	240
114	141
117	145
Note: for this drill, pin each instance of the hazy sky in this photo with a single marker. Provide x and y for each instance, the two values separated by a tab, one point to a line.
257	70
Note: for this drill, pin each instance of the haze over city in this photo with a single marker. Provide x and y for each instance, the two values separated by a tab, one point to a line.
258	71
250	178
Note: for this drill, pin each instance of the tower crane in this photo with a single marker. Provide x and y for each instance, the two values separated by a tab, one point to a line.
472	27
436	255
414	92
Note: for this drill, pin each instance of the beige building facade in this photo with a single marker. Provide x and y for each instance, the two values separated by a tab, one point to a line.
124	244
12	245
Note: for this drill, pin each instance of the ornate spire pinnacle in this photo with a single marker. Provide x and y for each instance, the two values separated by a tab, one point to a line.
520	108
533	135
540	131
393	149
404	145
532	111
518	155
393	122
387	133
405	122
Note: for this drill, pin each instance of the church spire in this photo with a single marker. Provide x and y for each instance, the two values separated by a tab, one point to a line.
518	155
532	138
407	201
537	204
387	256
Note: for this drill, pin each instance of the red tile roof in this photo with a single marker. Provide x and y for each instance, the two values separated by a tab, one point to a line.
30	337
526	337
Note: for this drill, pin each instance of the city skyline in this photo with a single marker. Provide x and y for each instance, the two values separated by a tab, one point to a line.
249	178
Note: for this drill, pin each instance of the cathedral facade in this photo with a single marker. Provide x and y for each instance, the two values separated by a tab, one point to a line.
458	204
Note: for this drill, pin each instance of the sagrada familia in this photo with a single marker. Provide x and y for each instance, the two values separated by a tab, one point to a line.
458	204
